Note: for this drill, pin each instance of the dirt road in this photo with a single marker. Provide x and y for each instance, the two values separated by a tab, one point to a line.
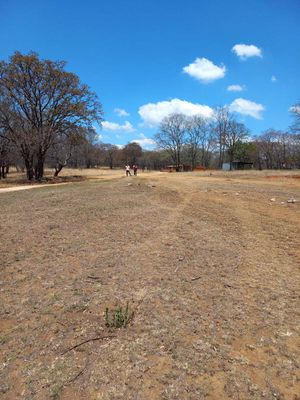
208	264
26	187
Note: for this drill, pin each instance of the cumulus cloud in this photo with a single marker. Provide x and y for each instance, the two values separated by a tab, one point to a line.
204	70
247	107
244	51
143	141
235	88
273	78
154	113
115	127
295	109
121	112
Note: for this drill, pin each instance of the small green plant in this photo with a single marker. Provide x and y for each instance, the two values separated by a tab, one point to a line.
119	317
56	392
4	339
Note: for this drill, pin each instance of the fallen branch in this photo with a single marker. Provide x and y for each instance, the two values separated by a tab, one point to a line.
195	279
229	286
93	277
76	376
87	341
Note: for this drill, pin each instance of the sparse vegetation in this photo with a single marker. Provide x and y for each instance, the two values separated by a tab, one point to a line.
214	312
56	392
119	317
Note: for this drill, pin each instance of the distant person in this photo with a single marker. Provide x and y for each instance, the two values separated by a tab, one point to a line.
135	169
127	168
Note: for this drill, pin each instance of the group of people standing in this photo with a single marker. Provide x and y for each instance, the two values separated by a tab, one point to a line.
134	167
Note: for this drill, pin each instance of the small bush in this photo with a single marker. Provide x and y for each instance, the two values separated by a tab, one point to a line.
56	392
119	317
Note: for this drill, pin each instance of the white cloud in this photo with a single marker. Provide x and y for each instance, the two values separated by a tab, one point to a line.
204	70
247	107
121	112
236	88
144	142
114	126
154	113
245	51
120	146
295	109
273	78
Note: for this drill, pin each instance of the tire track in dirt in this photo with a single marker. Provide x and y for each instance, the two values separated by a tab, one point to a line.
225	335
265	285
251	290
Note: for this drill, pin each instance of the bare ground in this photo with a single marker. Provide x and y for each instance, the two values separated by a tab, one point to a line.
209	265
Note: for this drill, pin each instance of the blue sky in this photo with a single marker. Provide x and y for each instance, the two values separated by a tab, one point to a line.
147	58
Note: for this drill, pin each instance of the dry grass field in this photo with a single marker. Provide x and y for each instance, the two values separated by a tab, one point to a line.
208	262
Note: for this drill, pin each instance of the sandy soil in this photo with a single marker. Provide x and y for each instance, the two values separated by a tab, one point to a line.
208	263
18	180
26	187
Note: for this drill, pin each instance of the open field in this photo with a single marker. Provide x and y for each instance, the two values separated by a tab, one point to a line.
69	175
207	261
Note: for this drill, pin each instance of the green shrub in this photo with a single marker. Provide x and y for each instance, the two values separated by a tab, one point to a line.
119	317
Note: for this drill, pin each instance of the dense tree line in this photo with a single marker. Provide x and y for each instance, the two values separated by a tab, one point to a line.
211	142
198	140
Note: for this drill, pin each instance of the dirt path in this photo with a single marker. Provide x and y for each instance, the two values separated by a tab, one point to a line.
210	266
27	187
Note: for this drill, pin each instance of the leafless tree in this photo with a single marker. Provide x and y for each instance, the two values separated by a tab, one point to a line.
278	149
110	153
200	140
171	136
195	128
61	151
4	153
295	110
222	122
236	133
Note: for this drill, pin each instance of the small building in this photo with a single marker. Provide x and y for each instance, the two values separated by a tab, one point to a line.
237	165
180	168
199	168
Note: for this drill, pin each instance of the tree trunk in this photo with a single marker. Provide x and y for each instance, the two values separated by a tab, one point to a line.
29	169
231	153
178	160
193	158
39	167
221	157
3	169
20	168
58	168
